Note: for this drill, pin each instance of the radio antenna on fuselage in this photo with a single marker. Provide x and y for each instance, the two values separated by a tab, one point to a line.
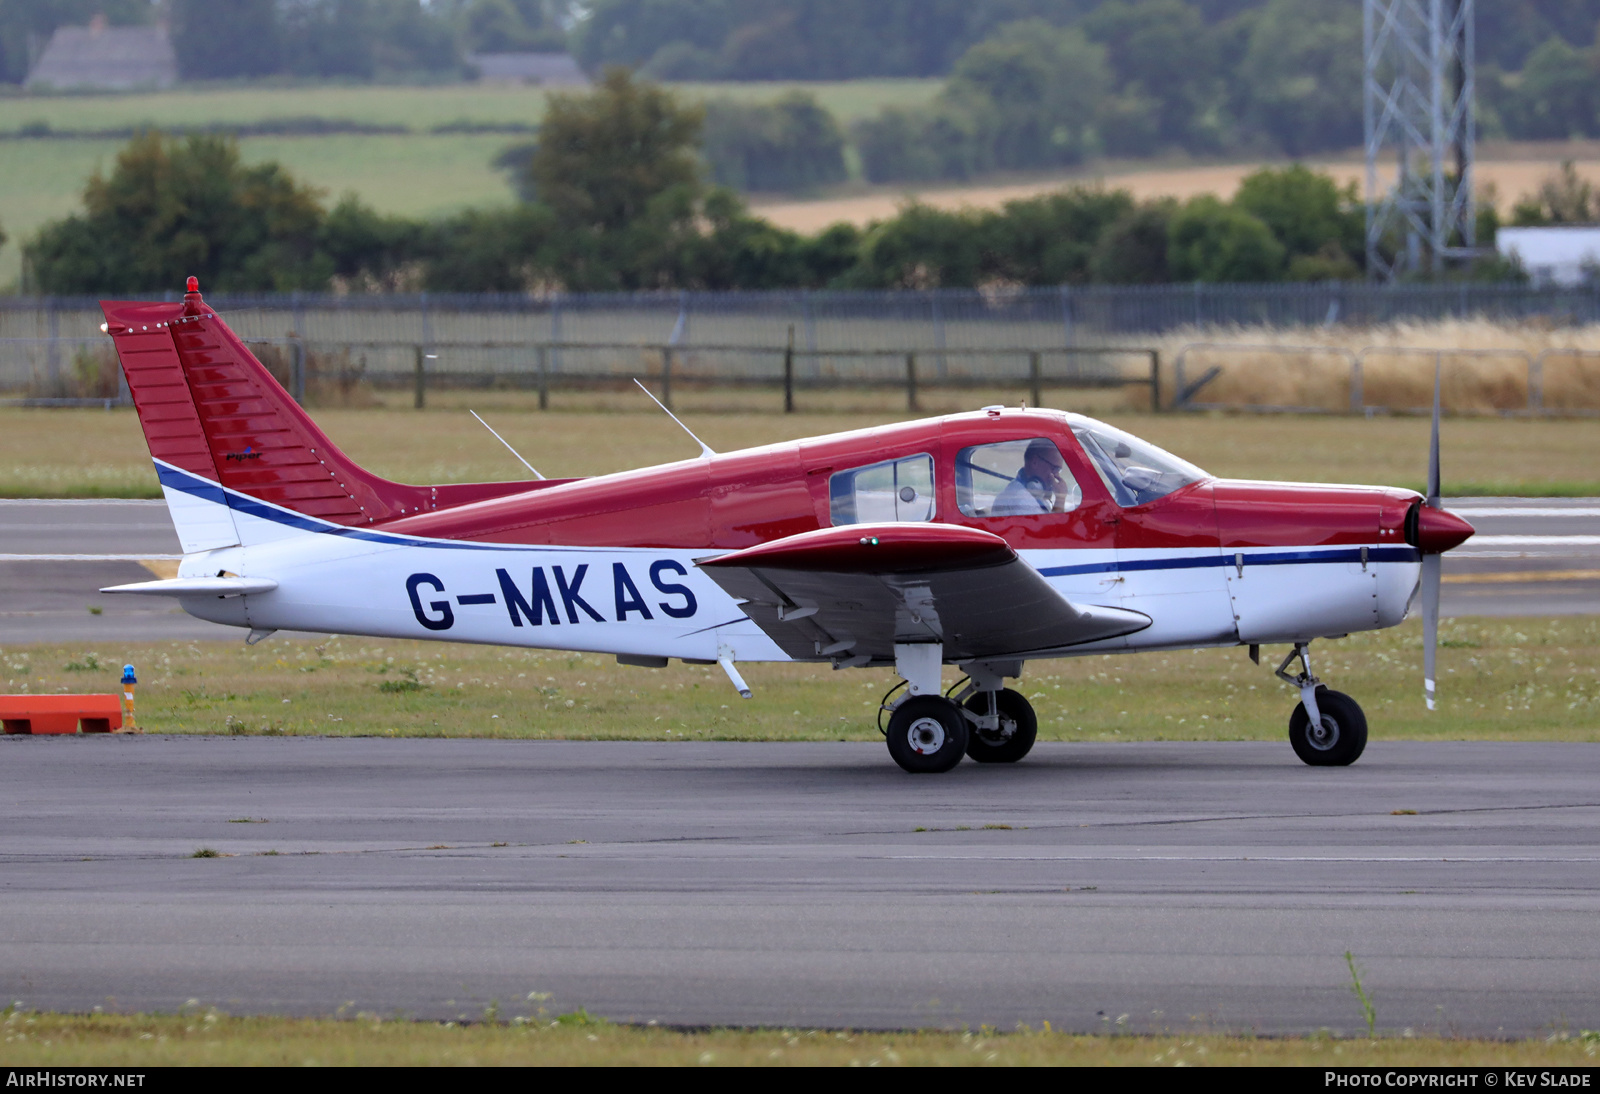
507	443
705	449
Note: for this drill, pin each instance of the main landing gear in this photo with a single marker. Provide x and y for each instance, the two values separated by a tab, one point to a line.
928	732
1327	728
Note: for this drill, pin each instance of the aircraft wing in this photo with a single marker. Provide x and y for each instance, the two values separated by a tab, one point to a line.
854	592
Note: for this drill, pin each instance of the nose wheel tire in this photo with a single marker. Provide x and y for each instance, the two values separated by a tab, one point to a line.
927	734
1015	735
1340	739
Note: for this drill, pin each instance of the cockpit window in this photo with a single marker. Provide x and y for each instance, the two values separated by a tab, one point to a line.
1134	471
1018	478
895	490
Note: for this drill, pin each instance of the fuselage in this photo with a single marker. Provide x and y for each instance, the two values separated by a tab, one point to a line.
608	564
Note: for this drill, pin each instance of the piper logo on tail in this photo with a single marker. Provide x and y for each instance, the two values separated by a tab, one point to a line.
556	594
249	453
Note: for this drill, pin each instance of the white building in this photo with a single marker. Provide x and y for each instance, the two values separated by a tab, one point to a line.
1553	256
104	58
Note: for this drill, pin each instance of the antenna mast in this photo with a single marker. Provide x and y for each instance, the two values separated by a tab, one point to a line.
1418	91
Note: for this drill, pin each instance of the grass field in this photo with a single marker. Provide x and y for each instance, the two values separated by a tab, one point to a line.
418	108
42	453
206	1037
1503	680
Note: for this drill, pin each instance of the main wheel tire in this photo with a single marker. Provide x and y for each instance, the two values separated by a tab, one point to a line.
927	734
1019	728
1343	734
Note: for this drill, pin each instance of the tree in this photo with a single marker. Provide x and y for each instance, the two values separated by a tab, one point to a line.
1562	198
1556	97
1302	72
1050	240
1210	241
792	144
1307	211
241	40
493	250
171	208
1133	249
1144	42
1035	89
604	157
370	251
501	26
921	248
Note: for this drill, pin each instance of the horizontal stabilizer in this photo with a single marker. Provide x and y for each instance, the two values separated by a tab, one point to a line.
198	586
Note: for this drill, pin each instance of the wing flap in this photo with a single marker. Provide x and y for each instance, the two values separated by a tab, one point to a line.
858	591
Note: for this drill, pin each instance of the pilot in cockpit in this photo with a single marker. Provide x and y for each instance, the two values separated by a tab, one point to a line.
1038	486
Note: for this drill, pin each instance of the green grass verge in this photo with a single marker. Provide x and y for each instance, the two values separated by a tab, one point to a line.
207	1037
1501	680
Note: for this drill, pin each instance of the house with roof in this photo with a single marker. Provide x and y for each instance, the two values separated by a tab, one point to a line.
100	57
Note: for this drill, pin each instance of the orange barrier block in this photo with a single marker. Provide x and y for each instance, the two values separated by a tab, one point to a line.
60	713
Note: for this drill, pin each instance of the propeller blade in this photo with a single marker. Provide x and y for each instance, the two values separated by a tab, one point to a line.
1433	447
1432	564
1431	567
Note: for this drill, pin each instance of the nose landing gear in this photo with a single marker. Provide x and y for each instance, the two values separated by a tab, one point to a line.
1327	728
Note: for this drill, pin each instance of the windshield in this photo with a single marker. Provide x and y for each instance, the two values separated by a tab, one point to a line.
1135	471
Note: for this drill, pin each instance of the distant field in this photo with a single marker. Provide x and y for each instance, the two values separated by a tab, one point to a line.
1513	170
416	108
43	453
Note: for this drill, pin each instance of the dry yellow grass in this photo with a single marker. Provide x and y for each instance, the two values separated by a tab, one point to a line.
1505	172
1486	365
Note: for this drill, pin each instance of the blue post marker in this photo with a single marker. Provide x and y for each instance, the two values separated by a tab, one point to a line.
128	681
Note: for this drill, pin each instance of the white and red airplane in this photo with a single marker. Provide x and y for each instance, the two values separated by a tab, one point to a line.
984	540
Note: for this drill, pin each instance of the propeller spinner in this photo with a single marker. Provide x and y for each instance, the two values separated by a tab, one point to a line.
1433	531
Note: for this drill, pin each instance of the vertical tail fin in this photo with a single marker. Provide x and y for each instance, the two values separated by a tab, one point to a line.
211	410
220	427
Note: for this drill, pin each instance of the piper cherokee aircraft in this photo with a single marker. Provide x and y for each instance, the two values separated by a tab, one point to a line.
984	540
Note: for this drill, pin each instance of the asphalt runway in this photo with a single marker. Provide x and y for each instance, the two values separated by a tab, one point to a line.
1530	557
1157	886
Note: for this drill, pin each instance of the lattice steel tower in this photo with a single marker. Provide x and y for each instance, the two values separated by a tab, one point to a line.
1417	98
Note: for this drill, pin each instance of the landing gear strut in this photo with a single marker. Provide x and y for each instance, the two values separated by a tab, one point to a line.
1327	728
929	732
1003	725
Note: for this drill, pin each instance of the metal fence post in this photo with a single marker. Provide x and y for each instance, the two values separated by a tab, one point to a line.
297	371
421	380
666	377
542	354
911	382
1155	381
1536	383
1035	379
1358	395
788	373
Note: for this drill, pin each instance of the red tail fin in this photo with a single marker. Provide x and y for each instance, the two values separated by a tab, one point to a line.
210	408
